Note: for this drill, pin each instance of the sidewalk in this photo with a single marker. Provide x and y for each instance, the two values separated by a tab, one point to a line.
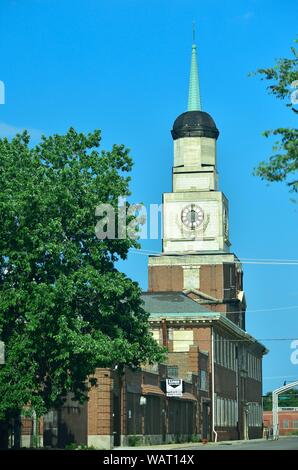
190	445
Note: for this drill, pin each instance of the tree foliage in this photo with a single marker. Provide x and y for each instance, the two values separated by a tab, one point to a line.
286	399
64	307
283	164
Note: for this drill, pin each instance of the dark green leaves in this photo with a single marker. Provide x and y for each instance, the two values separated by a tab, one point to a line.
64	307
283	165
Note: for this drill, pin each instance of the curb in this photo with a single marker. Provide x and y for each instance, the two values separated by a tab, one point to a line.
190	445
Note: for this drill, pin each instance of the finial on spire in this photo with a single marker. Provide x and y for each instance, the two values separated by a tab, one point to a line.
194	98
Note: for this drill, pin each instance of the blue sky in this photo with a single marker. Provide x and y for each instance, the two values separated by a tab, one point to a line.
123	66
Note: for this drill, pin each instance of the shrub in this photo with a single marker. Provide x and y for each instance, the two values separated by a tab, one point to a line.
134	440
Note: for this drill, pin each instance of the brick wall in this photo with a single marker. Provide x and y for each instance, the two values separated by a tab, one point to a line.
220	281
287	421
100	404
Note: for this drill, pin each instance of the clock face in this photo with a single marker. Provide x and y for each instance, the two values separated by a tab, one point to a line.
192	216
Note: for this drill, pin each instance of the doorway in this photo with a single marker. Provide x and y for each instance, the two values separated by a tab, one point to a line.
206	420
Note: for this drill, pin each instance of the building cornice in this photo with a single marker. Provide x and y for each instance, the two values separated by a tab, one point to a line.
206	320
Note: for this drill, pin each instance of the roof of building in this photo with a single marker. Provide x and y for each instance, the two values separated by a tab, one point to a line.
194	124
177	306
172	303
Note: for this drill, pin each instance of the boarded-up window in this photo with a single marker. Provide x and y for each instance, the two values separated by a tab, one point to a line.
191	277
156	335
182	340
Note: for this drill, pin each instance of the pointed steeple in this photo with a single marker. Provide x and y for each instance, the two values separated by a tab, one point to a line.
194	98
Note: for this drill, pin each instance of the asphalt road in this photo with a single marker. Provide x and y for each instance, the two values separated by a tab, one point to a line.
287	443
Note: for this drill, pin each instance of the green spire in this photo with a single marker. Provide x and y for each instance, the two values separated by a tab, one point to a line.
194	98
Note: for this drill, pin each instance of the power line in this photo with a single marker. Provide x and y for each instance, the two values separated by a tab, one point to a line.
231	340
273	377
251	261
272	309
271	263
260	261
271	259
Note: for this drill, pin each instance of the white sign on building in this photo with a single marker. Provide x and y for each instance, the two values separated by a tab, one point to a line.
174	387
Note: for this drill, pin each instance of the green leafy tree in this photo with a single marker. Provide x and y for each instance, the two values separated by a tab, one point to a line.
283	164
64	307
286	399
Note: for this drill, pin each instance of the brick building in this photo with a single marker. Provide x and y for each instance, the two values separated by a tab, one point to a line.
219	363
287	420
196	263
232	371
196	304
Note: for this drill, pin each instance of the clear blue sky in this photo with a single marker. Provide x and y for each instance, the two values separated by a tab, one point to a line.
122	66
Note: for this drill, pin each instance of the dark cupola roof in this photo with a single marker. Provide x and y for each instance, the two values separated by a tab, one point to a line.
194	124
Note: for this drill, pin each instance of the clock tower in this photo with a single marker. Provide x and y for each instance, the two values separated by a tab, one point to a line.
196	254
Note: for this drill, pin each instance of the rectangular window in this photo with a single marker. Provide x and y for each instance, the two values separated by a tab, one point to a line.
217	402
225	353
261	415
248	365
295	424
286	424
231	356
259	370
204	380
226	411
216	348
172	371
170	334
222	412
182	340
255	415
218	411
156	335
250	417
230	413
